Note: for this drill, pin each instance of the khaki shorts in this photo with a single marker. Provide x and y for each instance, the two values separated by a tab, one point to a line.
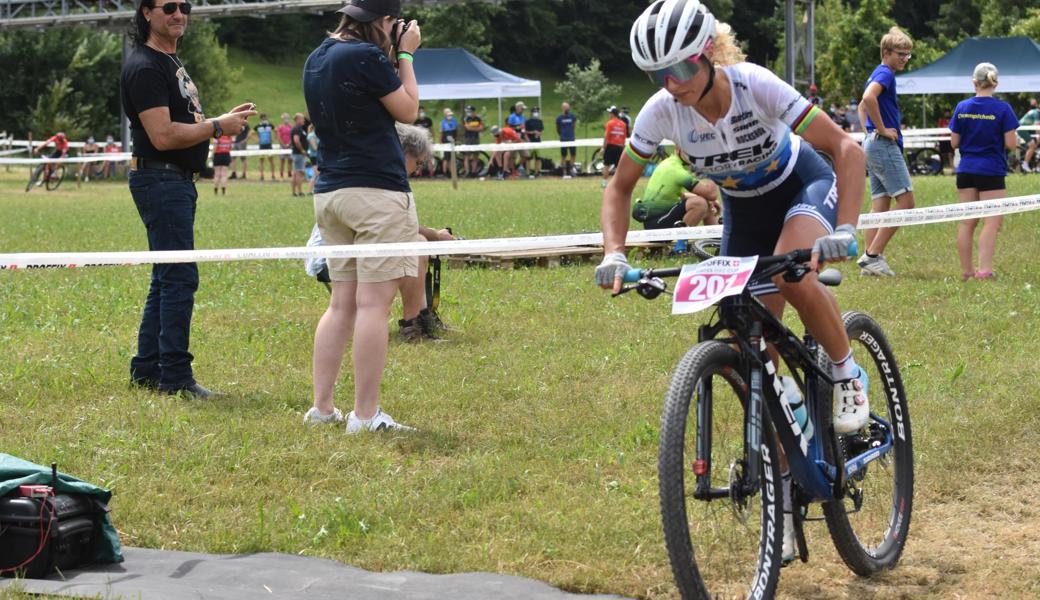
367	216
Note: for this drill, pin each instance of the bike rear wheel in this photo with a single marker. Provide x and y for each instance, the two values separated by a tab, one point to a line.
869	524
727	547
707	248
57	175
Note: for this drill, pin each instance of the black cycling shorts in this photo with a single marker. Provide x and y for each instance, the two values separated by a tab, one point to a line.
672	218
982	183
221	160
572	150
612	154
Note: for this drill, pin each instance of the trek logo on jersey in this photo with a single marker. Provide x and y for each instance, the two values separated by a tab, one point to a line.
737	158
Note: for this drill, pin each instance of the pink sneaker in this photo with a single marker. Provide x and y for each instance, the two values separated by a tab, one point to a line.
985	275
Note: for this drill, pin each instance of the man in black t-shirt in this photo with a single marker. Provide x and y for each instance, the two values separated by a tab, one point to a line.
298	144
533	128
171	141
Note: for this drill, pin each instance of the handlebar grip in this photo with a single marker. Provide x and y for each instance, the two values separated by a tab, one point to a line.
633	275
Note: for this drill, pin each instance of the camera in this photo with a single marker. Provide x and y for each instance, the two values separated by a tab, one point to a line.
400	26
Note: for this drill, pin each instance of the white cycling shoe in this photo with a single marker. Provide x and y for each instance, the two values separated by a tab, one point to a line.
851	407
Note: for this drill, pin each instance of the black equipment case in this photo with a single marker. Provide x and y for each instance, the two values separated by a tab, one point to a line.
74	520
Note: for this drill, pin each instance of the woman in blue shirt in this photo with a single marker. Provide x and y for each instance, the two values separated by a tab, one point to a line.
361	196
982	128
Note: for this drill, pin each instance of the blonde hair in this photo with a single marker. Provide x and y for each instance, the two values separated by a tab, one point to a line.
725	49
985	75
894	40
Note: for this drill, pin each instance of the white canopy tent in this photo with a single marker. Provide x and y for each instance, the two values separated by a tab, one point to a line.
456	74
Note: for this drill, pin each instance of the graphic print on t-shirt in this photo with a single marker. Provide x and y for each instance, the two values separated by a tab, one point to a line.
190	93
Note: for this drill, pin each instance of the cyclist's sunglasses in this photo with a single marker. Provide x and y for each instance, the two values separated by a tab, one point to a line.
171	7
679	73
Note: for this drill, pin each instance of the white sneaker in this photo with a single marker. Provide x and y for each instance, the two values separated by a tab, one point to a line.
603	184
874	265
566	176
851	407
379	422
314	416
790	550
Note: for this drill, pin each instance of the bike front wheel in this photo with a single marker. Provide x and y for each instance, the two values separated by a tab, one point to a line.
870	522
728	544
57	175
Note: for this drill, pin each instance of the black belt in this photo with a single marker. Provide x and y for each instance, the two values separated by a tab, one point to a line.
149	163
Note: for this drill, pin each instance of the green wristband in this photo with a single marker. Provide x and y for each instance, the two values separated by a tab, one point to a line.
402	55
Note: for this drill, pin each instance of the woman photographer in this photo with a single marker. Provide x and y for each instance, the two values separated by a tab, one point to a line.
362	196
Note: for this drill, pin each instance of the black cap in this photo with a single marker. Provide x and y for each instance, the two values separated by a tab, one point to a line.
370	10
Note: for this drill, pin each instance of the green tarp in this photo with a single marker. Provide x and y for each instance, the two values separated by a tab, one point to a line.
15	472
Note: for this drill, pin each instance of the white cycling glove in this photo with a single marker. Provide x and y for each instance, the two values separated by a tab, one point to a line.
835	247
614	265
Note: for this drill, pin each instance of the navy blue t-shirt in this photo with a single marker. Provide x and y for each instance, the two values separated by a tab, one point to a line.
887	105
342	84
982	122
565	127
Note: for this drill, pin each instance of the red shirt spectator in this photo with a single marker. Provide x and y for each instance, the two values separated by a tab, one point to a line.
614	132
222	145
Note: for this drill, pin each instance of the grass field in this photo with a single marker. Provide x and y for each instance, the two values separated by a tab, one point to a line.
277	88
537	454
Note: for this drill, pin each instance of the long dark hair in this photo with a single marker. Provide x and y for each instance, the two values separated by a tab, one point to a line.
140	30
371	32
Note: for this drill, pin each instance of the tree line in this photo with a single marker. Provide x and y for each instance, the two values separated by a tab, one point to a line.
67	79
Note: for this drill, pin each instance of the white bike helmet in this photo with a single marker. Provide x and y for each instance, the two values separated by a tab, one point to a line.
670	31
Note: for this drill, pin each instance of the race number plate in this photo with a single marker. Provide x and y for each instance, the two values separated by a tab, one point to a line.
705	283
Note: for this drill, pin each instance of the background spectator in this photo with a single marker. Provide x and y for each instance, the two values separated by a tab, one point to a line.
982	127
889	176
90	148
221	162
614	136
285	143
449	131
265	138
424	119
533	128
565	123
241	143
298	139
472	125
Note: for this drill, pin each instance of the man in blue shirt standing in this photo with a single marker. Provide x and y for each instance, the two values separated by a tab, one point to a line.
449	133
517	121
565	128
889	177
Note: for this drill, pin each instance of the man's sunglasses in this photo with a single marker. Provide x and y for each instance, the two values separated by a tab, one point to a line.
680	72
171	7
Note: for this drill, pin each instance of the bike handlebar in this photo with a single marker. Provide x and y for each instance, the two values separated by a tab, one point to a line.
800	256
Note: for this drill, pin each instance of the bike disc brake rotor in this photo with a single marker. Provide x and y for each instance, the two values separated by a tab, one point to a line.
739	501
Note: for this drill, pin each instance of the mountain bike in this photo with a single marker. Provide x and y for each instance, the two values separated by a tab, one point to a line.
52	177
719	464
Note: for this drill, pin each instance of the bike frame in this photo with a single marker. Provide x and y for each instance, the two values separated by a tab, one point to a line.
752	327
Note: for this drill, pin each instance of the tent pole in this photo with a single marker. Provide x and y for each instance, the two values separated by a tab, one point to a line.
924	111
500	111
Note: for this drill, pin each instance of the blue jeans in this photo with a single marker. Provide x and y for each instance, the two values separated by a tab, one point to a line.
166	202
889	175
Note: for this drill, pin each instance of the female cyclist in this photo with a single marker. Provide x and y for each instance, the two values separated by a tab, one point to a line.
739	125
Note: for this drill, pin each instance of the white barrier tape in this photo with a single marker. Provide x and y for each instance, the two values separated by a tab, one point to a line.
59	260
950	212
110	156
915	216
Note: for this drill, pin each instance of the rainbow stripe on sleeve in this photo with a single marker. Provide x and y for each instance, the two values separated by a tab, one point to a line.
802	122
636	156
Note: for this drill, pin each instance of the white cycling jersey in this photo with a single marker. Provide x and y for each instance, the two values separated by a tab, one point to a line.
747	152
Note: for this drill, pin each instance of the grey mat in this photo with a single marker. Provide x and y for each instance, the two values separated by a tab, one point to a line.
166	575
